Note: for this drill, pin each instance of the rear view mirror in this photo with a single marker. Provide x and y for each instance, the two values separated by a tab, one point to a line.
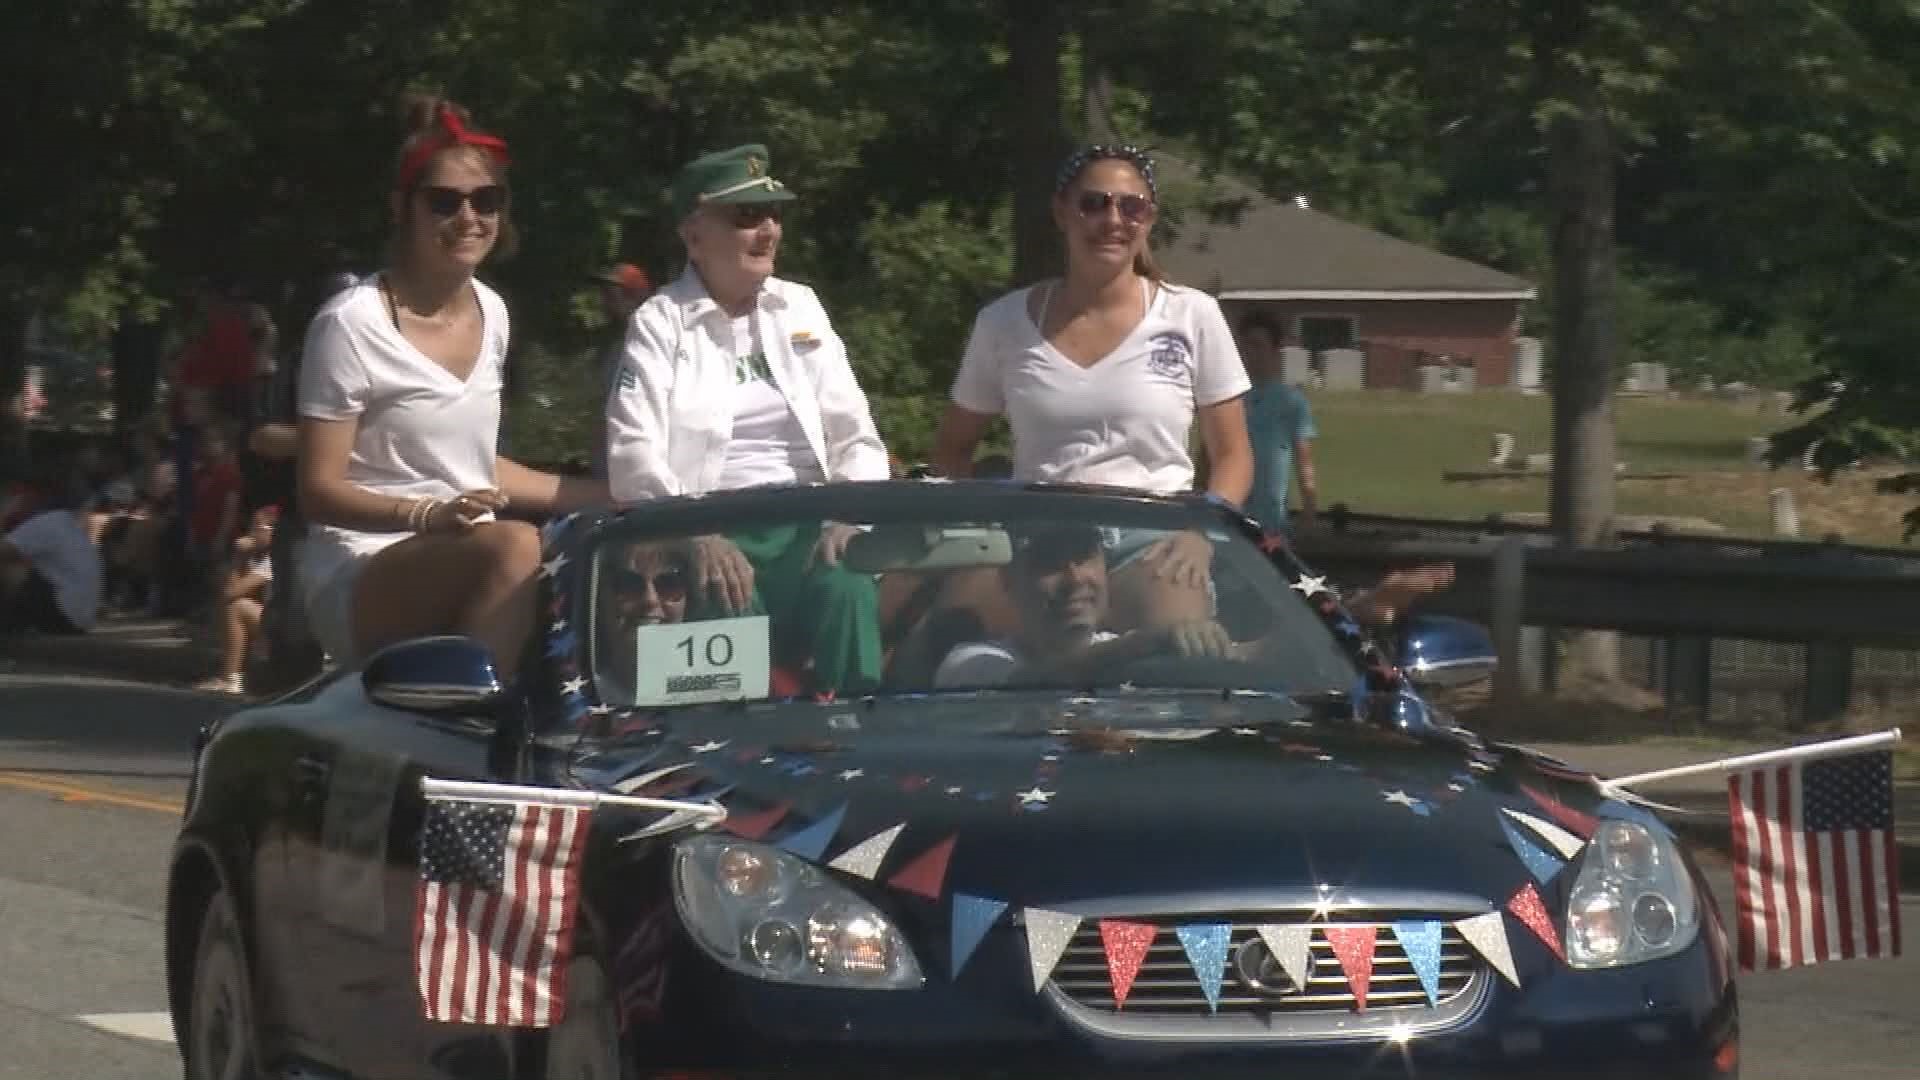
450	675
888	548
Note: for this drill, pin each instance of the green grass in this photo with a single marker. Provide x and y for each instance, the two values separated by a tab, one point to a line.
1385	452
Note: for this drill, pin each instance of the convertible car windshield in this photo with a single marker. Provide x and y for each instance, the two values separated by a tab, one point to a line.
1068	598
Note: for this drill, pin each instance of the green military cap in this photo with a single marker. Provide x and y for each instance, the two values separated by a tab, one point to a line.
739	175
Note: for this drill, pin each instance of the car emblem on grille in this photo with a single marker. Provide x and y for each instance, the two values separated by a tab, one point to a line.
1255	968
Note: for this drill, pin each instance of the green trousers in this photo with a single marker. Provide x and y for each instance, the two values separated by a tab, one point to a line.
827	614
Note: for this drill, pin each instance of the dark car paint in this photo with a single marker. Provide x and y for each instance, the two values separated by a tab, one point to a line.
256	811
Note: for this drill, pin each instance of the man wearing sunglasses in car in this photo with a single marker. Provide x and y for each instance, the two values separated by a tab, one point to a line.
734	378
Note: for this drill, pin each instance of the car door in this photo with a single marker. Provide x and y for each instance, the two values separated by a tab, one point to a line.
361	882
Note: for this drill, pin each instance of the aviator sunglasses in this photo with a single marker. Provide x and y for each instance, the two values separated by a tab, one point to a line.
445	201
670	585
750	215
1134	207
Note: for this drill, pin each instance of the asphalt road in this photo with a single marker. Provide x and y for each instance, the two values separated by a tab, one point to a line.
91	775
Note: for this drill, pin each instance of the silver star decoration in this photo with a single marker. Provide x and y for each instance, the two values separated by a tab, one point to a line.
559	627
710	746
852	774
1401	798
955	790
1323	757
1311	586
1246	731
1037	795
1455	787
573	686
552	566
768	760
1479	765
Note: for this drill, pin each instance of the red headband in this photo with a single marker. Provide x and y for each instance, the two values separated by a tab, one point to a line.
452	133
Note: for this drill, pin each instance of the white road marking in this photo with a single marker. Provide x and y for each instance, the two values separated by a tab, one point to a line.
152	1026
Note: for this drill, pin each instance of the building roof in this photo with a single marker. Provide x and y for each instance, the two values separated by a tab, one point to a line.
1241	245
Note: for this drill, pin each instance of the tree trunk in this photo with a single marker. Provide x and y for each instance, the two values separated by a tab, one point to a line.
1581	175
1036	29
13	432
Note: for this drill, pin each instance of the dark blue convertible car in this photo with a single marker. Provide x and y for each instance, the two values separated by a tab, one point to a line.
987	813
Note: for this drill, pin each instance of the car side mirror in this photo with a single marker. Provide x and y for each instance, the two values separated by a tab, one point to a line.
1437	651
449	675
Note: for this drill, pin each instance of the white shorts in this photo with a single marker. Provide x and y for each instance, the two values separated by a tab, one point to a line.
329	567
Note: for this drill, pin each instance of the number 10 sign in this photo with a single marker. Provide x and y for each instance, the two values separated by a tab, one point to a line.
691	662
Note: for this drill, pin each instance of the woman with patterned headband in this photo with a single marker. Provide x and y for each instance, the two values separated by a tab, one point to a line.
1102	374
399	403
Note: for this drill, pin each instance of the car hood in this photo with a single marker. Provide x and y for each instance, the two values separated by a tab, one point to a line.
1136	802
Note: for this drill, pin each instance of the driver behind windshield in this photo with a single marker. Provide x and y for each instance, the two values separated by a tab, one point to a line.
645	584
1057	579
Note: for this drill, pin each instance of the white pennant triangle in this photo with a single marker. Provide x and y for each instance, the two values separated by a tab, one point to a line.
1048	933
1564	842
1291	946
1488	936
863	859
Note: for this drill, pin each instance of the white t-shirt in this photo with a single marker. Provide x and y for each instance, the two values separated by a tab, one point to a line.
986	663
56	545
768	445
421	430
1123	421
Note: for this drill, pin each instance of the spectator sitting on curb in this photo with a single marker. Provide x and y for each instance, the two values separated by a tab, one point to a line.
243	596
49	568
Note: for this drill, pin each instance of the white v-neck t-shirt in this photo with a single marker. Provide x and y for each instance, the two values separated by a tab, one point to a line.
422	431
768	445
1123	420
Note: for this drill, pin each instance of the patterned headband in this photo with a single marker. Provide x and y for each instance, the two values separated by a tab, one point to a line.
1127	152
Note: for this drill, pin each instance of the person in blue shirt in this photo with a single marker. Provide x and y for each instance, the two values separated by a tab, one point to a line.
1280	426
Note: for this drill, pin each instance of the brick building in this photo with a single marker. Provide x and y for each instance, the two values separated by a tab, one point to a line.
1336	285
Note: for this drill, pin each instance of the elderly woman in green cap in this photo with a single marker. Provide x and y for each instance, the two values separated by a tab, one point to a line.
735	378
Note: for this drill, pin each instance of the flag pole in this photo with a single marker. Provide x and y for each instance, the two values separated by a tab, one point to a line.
1852	744
470	791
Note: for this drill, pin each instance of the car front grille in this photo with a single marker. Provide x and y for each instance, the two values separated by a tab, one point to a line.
1166	986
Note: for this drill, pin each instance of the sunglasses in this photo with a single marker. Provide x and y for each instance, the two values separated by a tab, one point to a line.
751	215
669	585
445	201
1134	207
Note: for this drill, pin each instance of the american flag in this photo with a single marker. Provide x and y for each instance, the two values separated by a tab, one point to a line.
1816	870
494	910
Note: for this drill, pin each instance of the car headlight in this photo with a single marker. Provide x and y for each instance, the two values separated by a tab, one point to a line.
764	913
1633	901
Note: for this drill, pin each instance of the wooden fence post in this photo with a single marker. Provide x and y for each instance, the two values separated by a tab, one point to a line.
1509	613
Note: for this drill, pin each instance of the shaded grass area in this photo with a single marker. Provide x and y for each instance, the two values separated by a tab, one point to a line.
1385	452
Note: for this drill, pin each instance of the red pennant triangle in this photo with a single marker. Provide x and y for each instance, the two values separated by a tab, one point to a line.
926	875
1527	906
1353	945
1565	816
755	826
1126	944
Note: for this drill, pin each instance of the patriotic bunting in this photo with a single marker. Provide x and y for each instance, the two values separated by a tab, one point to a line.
1292	946
1527	906
1126	945
1353	945
1564	842
1488	936
1567	816
926	875
811	842
863	859
1206	948
1539	862
1420	940
1048	933
973	916
755	826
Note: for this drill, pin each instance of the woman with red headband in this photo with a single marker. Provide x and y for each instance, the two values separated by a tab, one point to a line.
400	478
1102	375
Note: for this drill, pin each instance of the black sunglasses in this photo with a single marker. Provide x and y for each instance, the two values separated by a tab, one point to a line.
671	585
750	215
1134	207
445	201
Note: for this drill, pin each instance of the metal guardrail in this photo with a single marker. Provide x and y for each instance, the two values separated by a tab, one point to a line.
1683	591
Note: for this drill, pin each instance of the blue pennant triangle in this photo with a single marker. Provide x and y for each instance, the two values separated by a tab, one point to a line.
1420	940
811	842
1539	862
973	916
1206	946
